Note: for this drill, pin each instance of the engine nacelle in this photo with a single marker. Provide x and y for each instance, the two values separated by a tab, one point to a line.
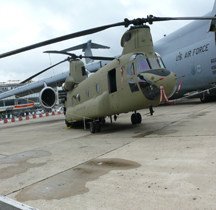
69	83
47	97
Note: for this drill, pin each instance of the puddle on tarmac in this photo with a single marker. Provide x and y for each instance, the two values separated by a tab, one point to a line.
72	182
19	163
159	132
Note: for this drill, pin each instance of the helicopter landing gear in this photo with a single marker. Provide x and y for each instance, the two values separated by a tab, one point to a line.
151	110
95	126
136	118
68	125
115	117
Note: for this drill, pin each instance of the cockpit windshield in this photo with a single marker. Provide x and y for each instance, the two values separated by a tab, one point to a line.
142	64
154	63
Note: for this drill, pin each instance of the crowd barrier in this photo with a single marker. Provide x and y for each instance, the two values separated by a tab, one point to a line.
29	117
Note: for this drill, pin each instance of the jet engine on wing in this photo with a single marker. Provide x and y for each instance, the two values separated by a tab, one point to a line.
47	97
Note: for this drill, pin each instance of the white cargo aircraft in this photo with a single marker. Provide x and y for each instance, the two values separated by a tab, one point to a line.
189	51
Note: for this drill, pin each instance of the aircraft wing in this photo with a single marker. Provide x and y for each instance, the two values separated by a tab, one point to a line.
194	94
35	87
53	81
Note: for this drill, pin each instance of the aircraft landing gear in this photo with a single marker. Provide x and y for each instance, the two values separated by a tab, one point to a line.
68	125
151	110
95	126
136	118
115	117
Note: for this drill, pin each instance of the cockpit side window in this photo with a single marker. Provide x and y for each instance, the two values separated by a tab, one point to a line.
130	70
160	62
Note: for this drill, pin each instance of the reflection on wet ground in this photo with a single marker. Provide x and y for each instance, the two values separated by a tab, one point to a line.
17	164
72	182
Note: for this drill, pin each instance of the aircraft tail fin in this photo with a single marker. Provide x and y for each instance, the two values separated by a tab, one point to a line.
86	48
214	9
212	26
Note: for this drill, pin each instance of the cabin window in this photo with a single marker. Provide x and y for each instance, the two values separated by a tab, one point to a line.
154	63
112	81
133	85
97	88
78	97
87	93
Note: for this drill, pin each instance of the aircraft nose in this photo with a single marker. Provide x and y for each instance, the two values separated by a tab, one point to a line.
150	82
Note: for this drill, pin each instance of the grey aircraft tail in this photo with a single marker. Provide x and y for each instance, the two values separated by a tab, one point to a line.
86	48
213	22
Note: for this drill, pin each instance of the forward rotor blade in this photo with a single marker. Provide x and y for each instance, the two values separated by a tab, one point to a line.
150	19
43	71
153	18
80	56
61	38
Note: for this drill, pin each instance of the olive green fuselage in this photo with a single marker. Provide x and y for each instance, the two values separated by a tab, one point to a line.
129	83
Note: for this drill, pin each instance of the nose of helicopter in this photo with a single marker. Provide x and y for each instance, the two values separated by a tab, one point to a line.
151	81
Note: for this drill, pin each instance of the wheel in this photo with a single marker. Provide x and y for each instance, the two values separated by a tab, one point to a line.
102	120
98	126
133	119
92	127
138	117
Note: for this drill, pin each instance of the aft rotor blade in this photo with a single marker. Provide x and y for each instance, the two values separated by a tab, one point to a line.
43	71
61	38
80	56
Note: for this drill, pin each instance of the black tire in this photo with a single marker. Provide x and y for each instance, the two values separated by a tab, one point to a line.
133	119
138	118
98	126
92	126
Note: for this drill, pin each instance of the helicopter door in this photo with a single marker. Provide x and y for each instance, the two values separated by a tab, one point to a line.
112	81
112	87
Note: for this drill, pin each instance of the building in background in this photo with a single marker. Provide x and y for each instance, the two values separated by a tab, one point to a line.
24	105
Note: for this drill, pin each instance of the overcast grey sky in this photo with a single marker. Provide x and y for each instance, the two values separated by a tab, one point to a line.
26	22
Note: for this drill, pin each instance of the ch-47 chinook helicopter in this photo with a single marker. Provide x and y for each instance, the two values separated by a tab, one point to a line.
136	80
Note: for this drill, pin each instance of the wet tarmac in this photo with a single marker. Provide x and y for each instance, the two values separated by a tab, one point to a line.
167	162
